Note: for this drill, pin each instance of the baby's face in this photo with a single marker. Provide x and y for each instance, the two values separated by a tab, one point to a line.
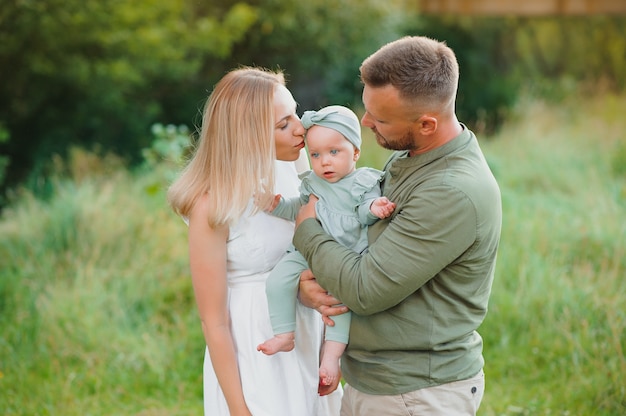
332	155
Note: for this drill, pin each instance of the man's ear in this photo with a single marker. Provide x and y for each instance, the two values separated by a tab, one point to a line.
427	124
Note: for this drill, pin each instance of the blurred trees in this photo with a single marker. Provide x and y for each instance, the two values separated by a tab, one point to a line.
319	43
547	56
487	86
590	49
99	73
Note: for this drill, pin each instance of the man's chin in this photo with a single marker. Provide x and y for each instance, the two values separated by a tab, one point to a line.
382	142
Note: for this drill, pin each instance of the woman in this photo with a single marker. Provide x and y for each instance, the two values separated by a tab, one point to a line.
249	121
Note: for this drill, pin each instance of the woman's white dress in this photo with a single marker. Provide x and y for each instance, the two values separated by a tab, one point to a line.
283	384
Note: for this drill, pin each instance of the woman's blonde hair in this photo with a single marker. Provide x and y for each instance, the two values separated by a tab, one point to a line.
234	157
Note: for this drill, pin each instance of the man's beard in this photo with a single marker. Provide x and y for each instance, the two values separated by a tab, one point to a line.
405	142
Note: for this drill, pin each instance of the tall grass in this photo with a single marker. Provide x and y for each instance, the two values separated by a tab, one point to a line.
97	314
555	334
96	304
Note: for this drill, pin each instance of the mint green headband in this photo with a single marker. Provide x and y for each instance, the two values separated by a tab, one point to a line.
338	118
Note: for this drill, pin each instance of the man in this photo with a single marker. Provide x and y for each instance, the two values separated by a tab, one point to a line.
420	293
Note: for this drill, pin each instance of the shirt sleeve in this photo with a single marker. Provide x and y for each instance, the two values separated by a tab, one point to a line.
364	213
429	231
288	208
366	188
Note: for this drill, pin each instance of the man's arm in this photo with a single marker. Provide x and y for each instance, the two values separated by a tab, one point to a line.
420	239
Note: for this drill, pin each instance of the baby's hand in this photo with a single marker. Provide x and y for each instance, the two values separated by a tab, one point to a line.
267	202
382	207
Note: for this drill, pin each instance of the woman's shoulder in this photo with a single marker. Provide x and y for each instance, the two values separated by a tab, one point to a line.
201	210
201	205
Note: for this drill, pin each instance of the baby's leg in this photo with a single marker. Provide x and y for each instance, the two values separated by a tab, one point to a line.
335	341
280	343
329	367
282	292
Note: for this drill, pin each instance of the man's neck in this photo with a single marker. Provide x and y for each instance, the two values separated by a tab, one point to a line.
445	132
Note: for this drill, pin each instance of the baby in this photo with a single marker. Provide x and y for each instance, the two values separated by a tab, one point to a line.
349	200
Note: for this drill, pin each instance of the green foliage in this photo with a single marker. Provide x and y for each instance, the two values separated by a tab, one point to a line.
619	160
168	153
502	57
587	48
320	44
98	74
481	47
97	307
4	160
170	146
90	72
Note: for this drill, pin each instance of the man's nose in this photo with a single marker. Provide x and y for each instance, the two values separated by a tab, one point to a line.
366	120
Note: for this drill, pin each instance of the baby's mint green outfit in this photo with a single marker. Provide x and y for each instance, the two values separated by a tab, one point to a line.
343	210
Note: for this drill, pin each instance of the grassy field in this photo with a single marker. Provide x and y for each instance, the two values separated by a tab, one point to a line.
97	314
556	331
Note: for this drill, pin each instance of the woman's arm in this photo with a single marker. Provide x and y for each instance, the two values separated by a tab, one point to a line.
207	258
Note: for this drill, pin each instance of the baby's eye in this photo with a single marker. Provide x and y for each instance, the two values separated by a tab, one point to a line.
334	152
315	155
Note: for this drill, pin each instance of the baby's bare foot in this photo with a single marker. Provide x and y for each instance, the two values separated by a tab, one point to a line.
280	343
329	371
327	378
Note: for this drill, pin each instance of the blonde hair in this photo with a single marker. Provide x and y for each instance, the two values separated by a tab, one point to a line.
234	158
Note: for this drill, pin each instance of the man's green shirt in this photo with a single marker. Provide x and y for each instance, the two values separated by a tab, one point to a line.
421	291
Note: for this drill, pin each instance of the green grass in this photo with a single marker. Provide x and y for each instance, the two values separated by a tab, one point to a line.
555	334
96	304
97	315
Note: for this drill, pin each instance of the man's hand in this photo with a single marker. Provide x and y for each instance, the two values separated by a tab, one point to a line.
307	210
312	295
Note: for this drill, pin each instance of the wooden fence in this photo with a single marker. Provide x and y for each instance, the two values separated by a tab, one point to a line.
523	7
